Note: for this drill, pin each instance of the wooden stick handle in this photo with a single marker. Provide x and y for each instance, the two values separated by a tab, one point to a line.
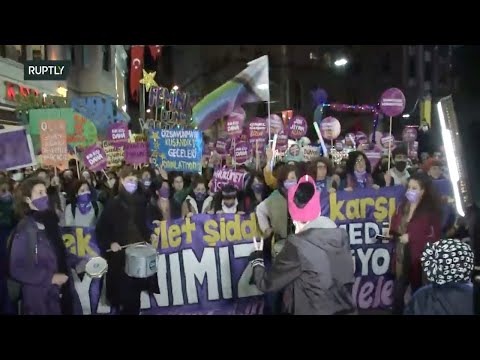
125	246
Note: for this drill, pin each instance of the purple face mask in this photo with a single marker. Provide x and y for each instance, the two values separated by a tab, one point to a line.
41	203
164	193
200	196
84	202
412	196
131	187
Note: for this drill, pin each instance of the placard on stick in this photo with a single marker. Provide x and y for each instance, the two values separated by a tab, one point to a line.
53	140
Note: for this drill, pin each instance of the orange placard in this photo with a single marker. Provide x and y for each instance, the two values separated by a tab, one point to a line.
53	139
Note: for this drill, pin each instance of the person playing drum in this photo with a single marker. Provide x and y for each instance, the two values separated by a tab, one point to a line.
123	223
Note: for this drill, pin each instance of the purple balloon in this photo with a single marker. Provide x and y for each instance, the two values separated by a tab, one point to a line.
282	142
276	124
392	102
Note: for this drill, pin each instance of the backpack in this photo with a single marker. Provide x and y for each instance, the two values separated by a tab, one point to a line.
95	209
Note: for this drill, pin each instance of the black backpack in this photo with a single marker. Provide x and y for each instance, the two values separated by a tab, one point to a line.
95	209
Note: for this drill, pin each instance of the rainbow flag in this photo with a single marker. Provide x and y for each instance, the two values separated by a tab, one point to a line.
251	85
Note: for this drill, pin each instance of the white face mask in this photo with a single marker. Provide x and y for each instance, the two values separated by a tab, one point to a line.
17	176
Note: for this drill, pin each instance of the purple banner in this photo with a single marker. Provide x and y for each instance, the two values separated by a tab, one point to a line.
234	123
257	129
15	151
242	153
95	158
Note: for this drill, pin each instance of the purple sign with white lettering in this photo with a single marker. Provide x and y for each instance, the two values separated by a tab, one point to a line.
117	134
234	123
297	127
242	153
276	124
392	102
95	158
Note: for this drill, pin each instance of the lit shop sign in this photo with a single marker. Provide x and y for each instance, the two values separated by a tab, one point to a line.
16	89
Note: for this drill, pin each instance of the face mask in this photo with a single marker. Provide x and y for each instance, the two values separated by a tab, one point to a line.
111	182
6	197
17	176
147	183
200	196
412	196
228	206
360	174
86	176
257	188
164	193
41	203
287	184
401	165
84	198
130	187
425	128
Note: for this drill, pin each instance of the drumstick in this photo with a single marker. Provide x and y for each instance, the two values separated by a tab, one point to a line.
124	246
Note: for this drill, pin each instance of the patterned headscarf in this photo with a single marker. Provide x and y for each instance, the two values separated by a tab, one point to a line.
449	260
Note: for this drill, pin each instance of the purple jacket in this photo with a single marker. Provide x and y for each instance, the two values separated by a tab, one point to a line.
34	269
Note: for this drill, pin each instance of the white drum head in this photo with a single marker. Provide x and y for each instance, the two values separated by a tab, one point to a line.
96	267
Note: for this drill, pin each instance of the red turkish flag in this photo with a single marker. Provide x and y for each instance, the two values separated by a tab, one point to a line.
136	67
155	51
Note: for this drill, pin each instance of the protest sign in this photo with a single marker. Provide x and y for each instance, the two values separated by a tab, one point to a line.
115	155
16	149
226	176
53	140
95	158
310	152
136	153
177	149
117	134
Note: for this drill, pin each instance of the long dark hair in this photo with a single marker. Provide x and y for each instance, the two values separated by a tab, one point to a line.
431	201
23	191
77	187
352	158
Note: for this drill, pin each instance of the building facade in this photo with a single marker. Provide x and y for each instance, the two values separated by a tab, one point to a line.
95	70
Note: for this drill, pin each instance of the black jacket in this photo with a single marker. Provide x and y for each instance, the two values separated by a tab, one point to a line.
115	225
448	299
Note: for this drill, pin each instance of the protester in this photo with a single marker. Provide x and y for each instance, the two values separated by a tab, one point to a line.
7	223
91	179
57	201
415	223
83	211
433	168
358	172
39	261
399	173
320	169
178	195
108	187
158	208
256	191
17	177
448	265
123	223
69	184
314	268
272	213
227	201
146	179
198	202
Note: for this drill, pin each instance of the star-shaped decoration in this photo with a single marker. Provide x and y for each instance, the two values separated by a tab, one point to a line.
148	80
155	136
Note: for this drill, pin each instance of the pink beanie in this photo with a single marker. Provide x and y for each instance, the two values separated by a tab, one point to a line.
304	200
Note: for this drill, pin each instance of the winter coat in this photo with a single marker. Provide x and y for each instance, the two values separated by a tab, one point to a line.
33	266
315	269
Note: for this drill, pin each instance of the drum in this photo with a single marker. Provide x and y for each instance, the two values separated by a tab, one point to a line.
96	267
140	261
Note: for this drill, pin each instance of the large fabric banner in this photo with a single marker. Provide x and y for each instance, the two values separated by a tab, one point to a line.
203	260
